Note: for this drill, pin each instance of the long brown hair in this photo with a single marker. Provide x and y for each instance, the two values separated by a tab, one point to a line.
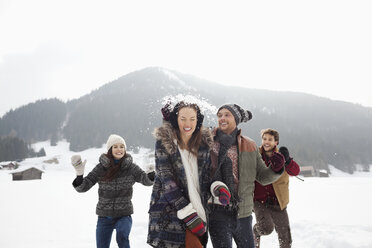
113	167
194	143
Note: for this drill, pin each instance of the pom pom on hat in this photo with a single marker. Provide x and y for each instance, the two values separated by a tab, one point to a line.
240	115
115	139
166	111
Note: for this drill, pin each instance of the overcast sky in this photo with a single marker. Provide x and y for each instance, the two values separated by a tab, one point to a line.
68	48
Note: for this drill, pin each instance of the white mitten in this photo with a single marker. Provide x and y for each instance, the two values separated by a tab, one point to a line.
78	164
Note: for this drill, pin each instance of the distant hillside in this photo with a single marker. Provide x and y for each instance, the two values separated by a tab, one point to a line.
318	131
36	121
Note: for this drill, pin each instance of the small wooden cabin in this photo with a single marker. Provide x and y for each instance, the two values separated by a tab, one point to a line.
27	174
323	173
9	166
307	171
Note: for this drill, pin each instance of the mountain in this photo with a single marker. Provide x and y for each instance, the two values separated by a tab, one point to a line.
318	131
36	121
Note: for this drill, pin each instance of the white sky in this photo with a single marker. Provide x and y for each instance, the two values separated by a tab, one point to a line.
67	48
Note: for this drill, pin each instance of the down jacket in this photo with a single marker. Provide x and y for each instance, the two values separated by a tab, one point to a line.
115	196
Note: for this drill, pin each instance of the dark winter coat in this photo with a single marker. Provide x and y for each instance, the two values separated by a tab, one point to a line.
251	168
170	192
115	196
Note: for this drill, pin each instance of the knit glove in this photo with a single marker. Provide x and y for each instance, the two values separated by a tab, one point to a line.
104	160
151	175
277	161
195	224
223	194
284	151
78	164
150	171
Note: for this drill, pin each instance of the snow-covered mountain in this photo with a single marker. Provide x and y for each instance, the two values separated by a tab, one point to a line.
317	130
324	212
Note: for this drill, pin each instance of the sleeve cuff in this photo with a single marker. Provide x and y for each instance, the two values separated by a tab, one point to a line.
214	185
186	211
78	181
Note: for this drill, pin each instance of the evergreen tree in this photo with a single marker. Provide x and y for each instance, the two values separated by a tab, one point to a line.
34	122
13	148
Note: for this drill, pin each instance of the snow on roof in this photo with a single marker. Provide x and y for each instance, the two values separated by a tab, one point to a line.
26	167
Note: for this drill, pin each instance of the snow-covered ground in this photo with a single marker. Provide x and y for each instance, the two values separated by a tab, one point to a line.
332	212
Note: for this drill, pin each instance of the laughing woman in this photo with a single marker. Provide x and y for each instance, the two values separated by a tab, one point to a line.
115	174
177	209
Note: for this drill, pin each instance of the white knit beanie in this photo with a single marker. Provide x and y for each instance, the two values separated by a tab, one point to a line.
115	139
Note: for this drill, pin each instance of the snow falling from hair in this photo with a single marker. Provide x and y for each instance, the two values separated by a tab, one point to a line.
207	109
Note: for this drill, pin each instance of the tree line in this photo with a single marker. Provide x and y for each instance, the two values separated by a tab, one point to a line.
15	149
317	131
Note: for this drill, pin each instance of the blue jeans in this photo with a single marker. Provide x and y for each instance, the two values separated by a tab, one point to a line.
105	227
224	227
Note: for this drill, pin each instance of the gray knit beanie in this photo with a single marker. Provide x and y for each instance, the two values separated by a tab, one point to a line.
239	114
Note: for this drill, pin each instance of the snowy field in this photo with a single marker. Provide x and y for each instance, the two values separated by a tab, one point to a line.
333	212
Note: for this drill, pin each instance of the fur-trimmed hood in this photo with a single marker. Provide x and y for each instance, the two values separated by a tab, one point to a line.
167	136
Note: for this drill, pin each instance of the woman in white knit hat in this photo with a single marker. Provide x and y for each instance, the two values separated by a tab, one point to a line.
115	174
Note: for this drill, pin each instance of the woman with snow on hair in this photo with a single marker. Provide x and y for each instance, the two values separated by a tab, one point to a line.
178	217
115	174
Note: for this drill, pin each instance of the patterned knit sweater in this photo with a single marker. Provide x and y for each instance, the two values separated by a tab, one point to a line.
115	196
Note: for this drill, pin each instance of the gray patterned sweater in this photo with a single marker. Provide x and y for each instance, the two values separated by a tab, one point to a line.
115	196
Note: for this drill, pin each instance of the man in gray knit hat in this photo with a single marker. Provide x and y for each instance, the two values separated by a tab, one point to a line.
235	165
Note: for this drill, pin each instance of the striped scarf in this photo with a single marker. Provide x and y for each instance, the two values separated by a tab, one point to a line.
226	148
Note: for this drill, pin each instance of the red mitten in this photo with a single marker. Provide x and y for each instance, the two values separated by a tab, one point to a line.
195	224
223	194
277	161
